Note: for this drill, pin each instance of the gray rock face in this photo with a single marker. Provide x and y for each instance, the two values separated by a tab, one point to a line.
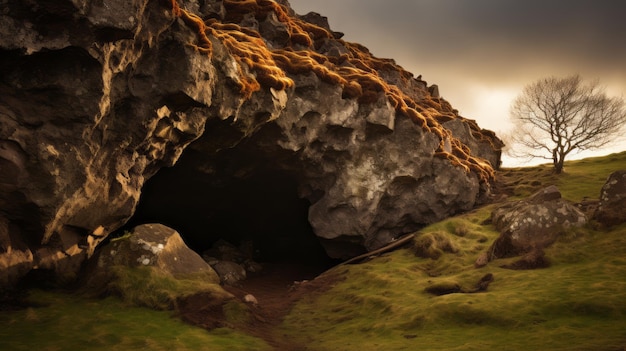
96	97
612	207
87	113
533	223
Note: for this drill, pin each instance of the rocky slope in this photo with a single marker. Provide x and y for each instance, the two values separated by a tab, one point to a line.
97	96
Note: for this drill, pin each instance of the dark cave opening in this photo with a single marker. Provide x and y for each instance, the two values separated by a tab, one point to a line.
262	209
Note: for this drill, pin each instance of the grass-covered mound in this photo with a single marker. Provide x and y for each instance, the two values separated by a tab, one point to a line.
578	303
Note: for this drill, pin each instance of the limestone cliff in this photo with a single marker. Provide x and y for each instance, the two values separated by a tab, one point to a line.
98	96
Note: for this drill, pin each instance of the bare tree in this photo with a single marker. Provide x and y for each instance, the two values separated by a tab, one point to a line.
555	116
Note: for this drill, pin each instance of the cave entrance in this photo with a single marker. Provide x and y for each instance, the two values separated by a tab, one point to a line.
262	210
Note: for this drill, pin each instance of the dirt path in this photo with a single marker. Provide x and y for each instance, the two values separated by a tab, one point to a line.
276	289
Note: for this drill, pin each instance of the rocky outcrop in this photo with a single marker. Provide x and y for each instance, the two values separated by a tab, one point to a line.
87	113
96	97
610	210
532	224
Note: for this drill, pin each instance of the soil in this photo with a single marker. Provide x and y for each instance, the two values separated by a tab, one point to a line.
270	295
276	289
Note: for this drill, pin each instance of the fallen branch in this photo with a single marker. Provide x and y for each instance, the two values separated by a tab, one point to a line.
394	244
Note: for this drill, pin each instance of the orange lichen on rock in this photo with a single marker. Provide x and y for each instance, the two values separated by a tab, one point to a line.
204	43
248	47
256	64
356	71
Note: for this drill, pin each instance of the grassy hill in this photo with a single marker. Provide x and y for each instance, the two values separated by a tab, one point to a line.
578	303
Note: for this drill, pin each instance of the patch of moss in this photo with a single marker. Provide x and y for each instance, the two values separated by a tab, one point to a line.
236	312
147	287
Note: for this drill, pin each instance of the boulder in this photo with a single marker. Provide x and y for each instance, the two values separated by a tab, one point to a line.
533	223
151	266
157	246
610	210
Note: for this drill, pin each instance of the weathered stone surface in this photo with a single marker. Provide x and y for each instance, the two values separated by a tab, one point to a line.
612	207
88	110
230	272
96	97
154	245
533	223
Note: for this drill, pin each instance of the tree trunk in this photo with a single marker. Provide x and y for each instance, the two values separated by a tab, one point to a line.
558	164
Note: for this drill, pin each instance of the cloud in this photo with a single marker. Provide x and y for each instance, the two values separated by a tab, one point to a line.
516	37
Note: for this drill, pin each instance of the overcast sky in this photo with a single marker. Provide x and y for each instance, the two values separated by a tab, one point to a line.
481	53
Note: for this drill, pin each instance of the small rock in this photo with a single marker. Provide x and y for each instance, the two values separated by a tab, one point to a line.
230	272
482	260
249	298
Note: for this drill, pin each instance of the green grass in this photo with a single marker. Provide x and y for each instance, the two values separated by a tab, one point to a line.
69	322
578	303
139	315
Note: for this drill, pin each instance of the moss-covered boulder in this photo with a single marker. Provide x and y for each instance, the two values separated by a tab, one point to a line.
151	266
158	246
533	223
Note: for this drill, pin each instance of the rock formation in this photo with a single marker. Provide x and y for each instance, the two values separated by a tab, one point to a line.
612	203
156	246
97	96
529	225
